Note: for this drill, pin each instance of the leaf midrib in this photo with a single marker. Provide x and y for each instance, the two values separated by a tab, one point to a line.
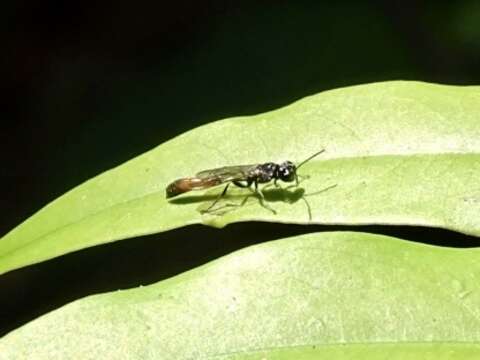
154	193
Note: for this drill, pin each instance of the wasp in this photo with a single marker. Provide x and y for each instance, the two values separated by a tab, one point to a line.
243	176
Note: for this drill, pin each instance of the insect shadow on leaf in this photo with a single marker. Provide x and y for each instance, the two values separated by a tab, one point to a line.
290	194
277	194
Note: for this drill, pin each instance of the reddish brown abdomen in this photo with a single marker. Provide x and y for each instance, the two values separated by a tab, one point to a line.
184	185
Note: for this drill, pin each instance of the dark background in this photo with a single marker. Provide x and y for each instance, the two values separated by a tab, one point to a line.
89	85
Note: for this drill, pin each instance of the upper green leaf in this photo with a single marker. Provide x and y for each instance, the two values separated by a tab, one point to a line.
329	295
396	153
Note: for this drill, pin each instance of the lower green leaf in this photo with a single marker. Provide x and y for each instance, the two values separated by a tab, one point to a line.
424	351
341	295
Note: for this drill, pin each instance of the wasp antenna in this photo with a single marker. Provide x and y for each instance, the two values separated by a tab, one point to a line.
310	158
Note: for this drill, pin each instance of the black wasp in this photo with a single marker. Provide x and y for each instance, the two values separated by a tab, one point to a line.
241	175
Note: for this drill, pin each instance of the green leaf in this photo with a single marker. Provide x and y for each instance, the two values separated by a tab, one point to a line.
341	294
396	153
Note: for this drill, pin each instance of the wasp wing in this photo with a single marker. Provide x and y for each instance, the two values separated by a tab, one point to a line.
226	173
208	178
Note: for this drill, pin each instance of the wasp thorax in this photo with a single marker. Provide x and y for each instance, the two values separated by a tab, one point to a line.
266	172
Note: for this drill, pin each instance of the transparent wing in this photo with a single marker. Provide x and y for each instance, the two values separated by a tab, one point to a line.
208	178
227	173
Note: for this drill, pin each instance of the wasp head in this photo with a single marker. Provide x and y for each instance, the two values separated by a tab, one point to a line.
286	171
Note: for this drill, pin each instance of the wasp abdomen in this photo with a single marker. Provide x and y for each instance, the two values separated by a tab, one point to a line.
184	185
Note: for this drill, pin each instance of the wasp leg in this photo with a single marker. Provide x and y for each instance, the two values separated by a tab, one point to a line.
309	209
256	191
304	198
237	183
262	198
267	186
298	180
217	199
275	183
228	205
242	185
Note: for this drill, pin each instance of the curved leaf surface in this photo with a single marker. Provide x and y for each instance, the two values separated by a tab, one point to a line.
396	153
338	295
